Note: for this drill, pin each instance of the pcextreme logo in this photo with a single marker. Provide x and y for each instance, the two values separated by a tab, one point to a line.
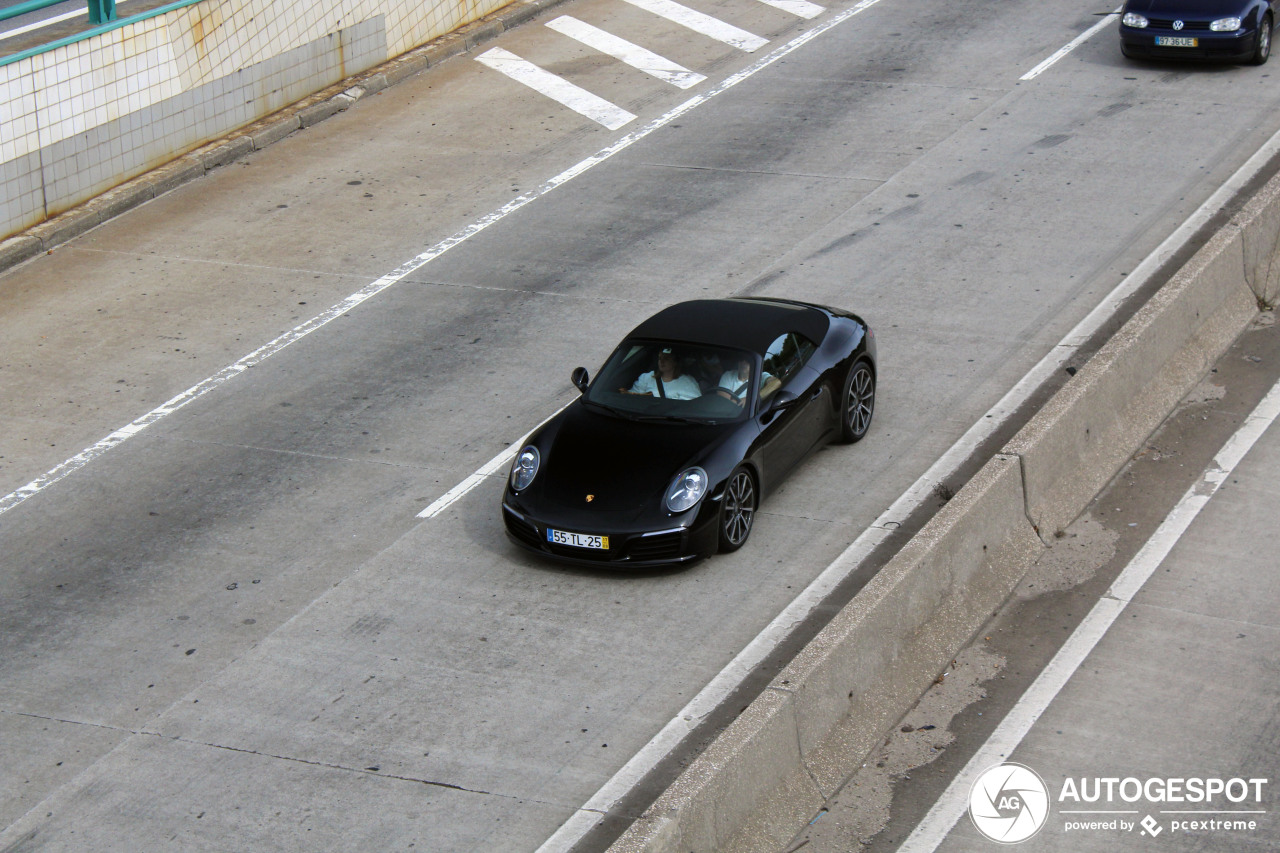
1009	803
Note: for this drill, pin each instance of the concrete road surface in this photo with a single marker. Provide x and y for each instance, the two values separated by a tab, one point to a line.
228	628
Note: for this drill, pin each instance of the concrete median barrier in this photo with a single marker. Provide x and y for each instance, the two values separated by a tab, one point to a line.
1077	442
796	744
1259	226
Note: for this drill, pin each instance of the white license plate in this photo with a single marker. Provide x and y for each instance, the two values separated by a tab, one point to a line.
577	540
1176	41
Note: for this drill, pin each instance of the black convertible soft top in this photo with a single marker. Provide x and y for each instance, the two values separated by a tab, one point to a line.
750	324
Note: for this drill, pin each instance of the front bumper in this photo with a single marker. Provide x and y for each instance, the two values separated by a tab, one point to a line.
687	540
1237	46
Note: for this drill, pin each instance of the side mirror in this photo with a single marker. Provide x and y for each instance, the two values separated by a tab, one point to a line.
783	400
580	379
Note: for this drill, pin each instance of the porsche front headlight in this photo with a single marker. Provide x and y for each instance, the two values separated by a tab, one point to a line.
1225	25
524	468
686	490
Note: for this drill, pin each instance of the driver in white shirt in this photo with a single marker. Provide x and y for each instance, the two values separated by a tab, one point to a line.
675	385
734	384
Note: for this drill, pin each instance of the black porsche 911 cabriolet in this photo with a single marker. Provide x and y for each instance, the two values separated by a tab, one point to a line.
699	412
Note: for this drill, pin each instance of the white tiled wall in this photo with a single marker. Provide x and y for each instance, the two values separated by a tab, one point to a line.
80	119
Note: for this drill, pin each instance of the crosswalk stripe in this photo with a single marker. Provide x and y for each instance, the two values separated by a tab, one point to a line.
704	24
557	88
799	8
623	50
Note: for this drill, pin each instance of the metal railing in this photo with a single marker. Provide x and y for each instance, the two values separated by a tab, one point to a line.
113	23
100	11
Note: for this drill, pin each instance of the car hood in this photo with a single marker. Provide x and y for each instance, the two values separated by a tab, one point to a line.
625	466
1188	8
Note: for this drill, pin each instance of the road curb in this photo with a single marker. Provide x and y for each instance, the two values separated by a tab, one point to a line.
185	167
1086	432
772	769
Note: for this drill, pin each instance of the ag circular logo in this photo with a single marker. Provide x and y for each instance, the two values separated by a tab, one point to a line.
1009	803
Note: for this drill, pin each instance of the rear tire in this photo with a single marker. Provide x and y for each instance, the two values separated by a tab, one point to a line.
858	403
737	510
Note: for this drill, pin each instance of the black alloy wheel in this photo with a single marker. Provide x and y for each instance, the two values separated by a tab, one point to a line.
737	510
1262	48
859	402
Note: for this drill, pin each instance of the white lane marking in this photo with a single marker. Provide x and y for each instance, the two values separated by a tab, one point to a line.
632	54
1072	45
80	460
799	8
56	19
493	466
84	457
556	88
703	24
937	824
728	679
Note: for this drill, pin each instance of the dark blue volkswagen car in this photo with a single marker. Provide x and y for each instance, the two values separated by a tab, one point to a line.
1226	30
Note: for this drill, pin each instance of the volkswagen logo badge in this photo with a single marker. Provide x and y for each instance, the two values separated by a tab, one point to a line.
1177	25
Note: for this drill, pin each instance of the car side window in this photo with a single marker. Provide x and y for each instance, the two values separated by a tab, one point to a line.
787	354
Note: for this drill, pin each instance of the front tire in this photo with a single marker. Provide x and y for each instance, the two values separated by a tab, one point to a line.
858	403
737	510
1262	49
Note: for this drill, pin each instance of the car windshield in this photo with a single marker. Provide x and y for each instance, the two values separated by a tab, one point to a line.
665	380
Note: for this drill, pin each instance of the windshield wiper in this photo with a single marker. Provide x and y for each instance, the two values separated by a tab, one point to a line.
677	419
630	416
636	416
